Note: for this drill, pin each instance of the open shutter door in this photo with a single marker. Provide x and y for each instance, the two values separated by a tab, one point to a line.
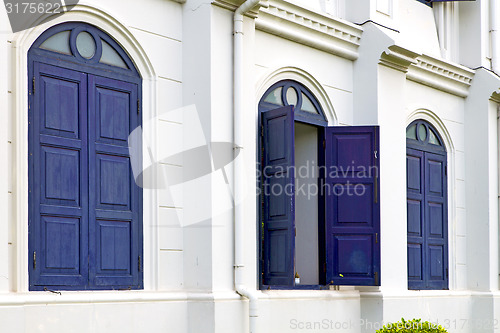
277	196
114	202
352	205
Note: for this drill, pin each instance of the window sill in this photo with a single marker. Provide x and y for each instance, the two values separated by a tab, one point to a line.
109	296
343	293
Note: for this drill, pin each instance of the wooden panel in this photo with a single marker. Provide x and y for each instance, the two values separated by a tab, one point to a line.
114	207
278	196
352	206
57	178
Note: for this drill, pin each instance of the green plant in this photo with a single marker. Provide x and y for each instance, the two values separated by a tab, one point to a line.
412	326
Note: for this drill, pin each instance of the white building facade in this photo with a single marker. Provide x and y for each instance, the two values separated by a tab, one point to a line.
177	233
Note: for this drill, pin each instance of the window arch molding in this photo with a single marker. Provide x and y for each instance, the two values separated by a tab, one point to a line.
21	43
304	78
288	92
433	119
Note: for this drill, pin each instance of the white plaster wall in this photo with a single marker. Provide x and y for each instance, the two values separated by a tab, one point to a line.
6	280
222	132
474	36
392	122
98	317
332	72
309	311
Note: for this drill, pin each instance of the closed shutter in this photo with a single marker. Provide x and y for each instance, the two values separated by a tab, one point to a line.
114	196
58	197
352	208
85	208
427	220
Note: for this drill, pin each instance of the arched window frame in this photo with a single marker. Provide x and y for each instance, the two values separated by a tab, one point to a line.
338	246
423	143
77	62
418	142
300	115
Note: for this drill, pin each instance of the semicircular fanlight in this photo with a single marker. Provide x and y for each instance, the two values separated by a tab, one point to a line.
58	43
111	57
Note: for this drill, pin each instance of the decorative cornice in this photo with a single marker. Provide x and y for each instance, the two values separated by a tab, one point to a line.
287	20
495	97
398	58
445	76
232	5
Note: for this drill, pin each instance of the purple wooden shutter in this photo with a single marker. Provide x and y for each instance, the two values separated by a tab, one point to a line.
58	213
436	226
352	206
114	206
277	186
415	217
427	220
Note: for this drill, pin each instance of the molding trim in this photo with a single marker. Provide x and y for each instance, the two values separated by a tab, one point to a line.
310	28
232	5
495	97
398	58
306	79
432	72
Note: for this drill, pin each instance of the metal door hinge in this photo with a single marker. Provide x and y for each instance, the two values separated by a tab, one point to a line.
34	260
376	278
376	238
33	88
139	264
138	106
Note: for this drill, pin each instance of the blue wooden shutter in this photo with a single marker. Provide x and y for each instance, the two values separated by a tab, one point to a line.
415	217
436	220
352	206
114	203
58	216
427	220
278	196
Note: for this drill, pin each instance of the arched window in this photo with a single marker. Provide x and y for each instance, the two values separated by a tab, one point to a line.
285	93
85	210
319	207
427	221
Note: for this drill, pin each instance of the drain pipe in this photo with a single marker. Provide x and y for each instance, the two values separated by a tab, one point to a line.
239	239
495	42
